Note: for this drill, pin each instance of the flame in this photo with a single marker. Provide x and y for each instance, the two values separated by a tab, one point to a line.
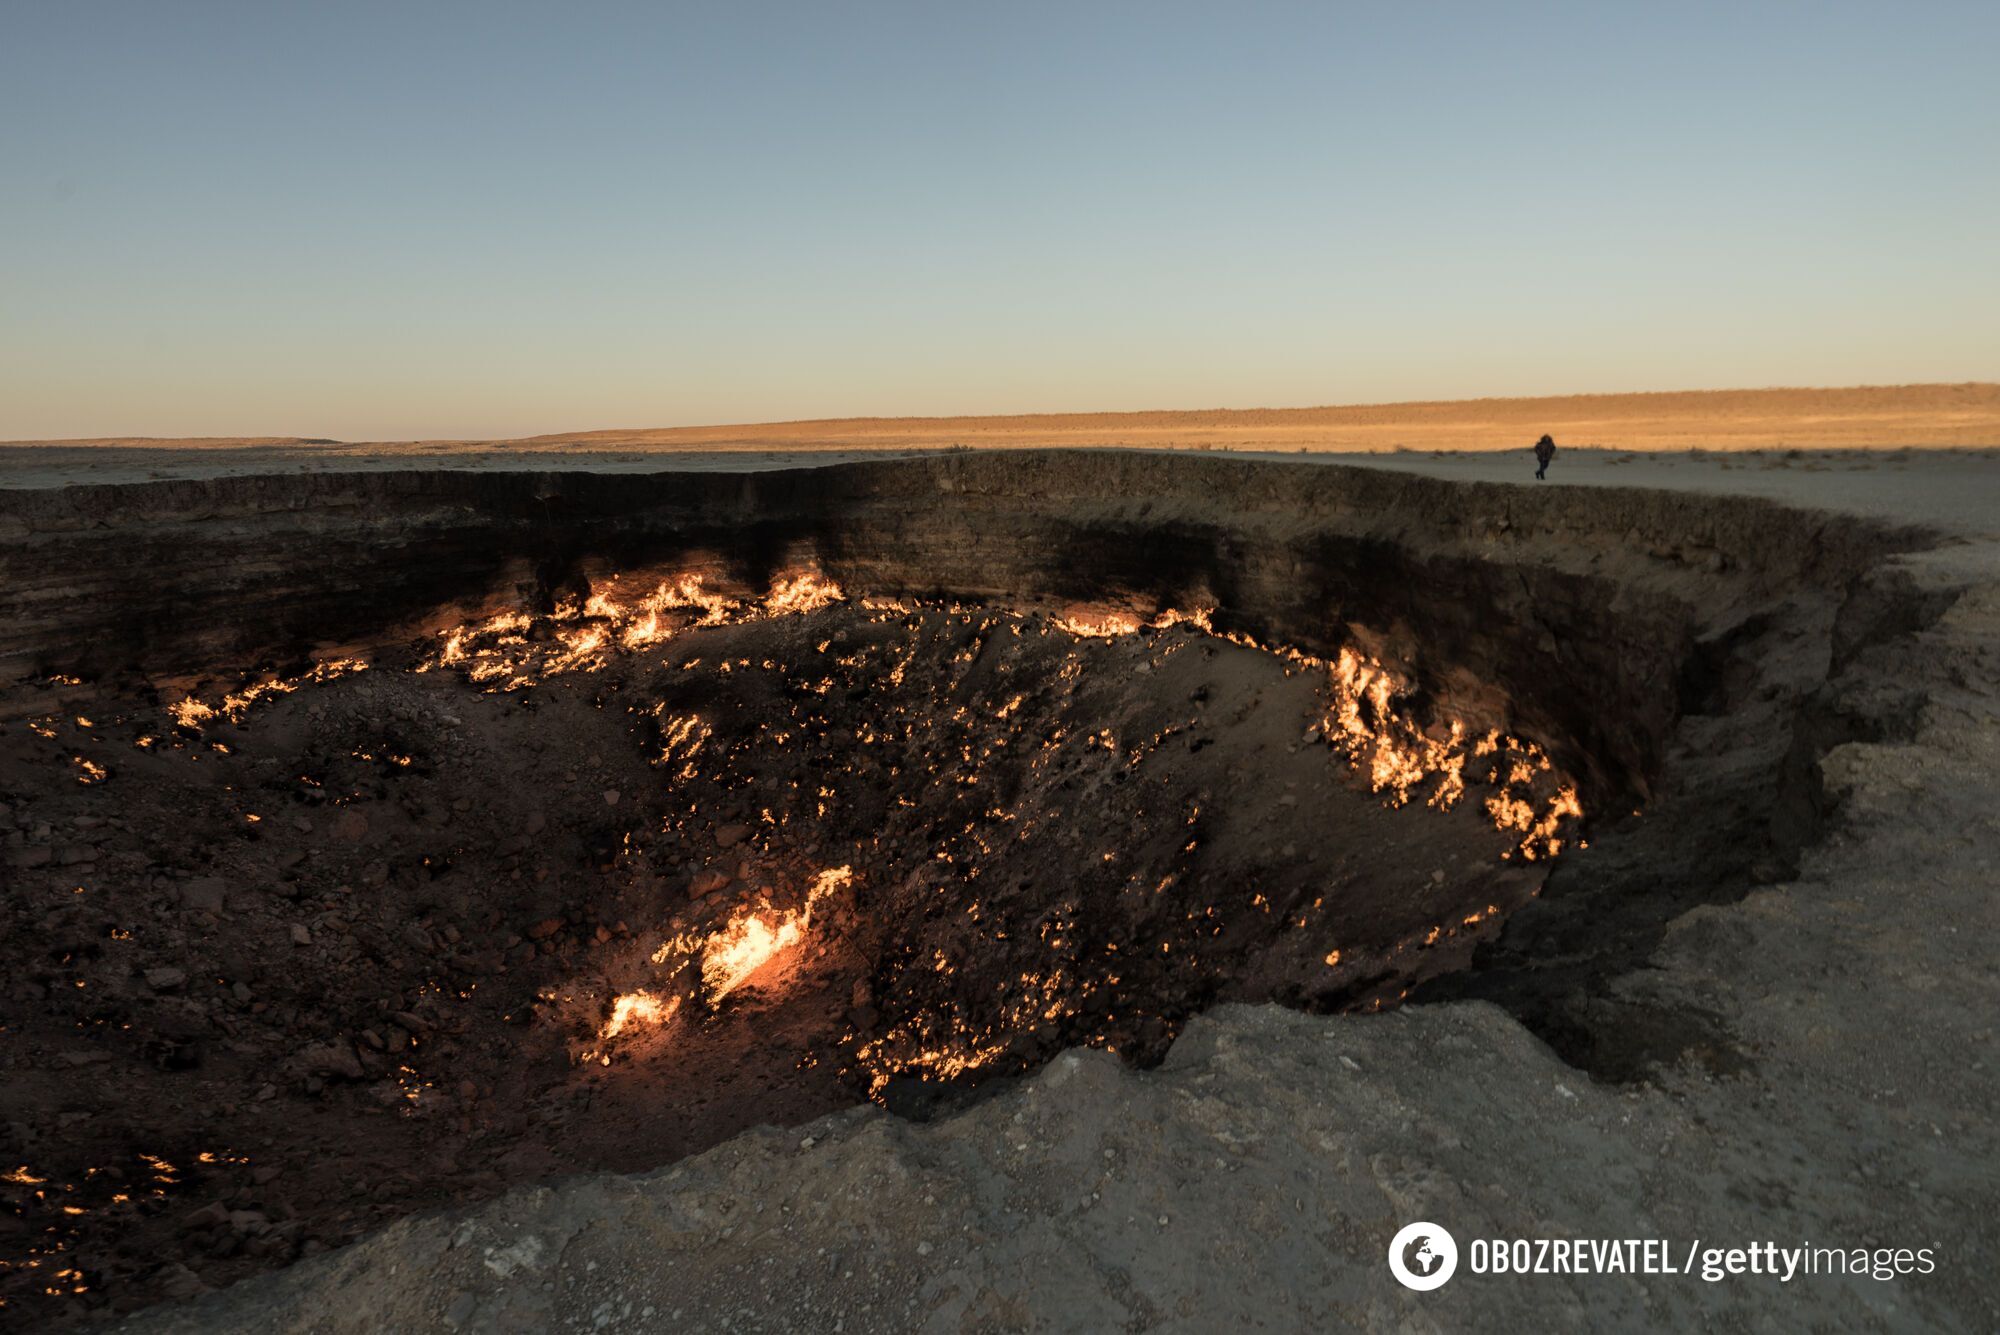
802	592
1103	623
1099	625
1365	725
744	947
637	1008
752	940
191	713
681	739
497	652
643	624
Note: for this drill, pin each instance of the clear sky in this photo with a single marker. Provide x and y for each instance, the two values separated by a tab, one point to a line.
377	221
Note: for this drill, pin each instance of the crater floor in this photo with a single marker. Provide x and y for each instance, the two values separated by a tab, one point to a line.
604	888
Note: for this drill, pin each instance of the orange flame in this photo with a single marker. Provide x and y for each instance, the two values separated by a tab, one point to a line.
637	1008
755	936
191	713
582	635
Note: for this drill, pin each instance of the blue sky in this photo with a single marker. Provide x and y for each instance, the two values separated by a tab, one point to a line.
384	221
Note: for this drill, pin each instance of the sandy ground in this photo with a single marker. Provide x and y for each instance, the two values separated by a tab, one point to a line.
1948	489
1930	416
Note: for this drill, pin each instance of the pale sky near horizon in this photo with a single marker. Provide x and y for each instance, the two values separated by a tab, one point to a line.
385	221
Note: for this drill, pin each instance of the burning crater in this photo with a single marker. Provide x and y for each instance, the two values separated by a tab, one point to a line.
646	840
983	836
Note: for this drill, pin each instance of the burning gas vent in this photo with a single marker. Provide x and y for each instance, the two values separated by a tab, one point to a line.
646	808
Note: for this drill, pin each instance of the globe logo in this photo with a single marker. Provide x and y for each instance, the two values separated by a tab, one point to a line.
1422	1256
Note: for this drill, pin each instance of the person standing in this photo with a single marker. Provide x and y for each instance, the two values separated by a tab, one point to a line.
1545	450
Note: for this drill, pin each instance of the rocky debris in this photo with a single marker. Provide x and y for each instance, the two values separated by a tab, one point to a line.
1253	1182
166	978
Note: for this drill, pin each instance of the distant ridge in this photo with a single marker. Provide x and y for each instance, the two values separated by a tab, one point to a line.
1965	414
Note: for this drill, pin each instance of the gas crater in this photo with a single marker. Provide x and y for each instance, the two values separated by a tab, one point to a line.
386	839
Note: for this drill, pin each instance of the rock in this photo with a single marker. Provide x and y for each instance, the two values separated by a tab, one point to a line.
707	881
251	1222
38	856
611	797
213	1214
535	823
545	929
177	1281
330	1059
166	978
351	825
460	1311
728	836
204	894
72	854
301	936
